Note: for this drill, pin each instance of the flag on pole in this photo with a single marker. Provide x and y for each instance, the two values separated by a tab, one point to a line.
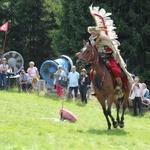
4	27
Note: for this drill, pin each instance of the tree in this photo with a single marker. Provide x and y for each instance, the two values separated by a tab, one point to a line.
73	22
133	27
28	32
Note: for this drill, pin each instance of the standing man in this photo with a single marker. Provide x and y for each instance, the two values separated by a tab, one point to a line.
137	95
73	82
3	70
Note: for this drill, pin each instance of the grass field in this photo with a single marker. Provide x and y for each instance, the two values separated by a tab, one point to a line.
26	123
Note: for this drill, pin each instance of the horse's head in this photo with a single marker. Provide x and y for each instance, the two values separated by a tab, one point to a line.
88	54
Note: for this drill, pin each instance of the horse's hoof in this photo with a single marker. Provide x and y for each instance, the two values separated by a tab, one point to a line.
121	125
109	128
115	124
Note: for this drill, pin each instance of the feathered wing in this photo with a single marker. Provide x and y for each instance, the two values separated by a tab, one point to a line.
103	21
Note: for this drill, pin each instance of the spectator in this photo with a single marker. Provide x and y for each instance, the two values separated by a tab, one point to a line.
24	82
33	71
58	76
84	81
137	95
3	70
145	90
146	93
73	78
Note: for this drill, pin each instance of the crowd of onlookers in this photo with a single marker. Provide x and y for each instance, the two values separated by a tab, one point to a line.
26	80
29	80
76	82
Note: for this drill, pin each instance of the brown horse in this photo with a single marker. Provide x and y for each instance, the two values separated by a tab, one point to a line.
103	83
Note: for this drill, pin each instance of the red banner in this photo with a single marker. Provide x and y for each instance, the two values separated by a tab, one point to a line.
4	27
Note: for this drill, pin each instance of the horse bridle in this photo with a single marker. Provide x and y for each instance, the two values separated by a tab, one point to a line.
95	62
92	55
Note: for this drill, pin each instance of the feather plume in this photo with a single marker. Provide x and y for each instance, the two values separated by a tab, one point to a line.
102	19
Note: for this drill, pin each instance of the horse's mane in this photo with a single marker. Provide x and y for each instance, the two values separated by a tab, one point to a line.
97	77
101	61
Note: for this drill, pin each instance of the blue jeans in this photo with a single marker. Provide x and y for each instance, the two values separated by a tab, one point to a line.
3	80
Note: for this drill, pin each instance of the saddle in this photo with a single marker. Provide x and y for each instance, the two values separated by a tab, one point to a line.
123	76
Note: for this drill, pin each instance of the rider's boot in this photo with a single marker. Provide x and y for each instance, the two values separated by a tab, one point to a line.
118	89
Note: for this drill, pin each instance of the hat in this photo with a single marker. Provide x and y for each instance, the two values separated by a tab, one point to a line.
22	72
4	59
83	70
31	62
92	29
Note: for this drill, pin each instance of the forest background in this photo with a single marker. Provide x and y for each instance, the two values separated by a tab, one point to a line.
42	30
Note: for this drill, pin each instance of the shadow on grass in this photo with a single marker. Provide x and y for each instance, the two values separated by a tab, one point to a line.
116	131
80	104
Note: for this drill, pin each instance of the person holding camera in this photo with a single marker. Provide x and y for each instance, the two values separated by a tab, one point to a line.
84	81
3	70
137	95
59	74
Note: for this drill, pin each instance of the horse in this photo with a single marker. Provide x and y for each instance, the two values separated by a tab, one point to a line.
103	84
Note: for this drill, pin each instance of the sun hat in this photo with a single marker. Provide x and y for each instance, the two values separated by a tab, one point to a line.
92	29
4	59
31	62
83	70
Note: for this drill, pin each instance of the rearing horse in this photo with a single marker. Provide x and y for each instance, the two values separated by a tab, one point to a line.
103	84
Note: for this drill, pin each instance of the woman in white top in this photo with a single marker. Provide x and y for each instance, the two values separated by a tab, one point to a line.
3	70
32	70
137	95
33	74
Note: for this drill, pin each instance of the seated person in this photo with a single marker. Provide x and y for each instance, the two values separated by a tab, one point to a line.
146	93
24	82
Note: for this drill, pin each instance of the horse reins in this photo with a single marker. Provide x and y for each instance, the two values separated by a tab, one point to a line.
91	56
95	62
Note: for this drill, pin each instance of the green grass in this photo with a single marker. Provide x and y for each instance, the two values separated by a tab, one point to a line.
26	124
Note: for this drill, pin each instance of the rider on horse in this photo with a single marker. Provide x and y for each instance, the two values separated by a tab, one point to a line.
106	49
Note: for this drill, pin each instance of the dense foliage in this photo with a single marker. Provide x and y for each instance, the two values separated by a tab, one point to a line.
50	28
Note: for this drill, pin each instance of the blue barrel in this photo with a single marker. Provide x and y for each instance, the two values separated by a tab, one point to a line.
49	67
